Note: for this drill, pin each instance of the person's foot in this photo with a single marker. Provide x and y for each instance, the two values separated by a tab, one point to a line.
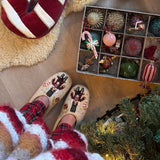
54	88
69	119
74	107
44	100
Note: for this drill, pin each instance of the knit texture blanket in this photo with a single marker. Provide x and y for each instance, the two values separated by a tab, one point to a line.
16	50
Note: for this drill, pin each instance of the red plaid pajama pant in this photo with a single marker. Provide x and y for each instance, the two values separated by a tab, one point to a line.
35	110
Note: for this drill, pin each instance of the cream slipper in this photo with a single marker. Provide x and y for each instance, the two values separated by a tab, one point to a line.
76	104
54	88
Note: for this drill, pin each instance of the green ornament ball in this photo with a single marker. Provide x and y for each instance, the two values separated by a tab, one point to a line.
128	69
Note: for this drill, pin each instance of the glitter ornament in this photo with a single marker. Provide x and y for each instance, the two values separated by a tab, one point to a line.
95	18
115	20
109	39
149	53
106	62
154	27
132	46
128	69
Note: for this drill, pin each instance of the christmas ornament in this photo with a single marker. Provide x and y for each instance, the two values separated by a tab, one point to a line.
106	62
137	23
118	42
115	49
88	63
154	27
157	140
96	36
128	69
109	39
91	44
149	53
148	74
116	20
95	18
132	46
157	136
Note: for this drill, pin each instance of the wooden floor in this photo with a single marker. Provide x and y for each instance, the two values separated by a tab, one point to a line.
17	84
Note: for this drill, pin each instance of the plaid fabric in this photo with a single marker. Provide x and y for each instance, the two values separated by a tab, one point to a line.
60	130
33	111
70	136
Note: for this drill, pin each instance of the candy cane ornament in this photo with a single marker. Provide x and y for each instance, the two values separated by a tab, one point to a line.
91	44
148	74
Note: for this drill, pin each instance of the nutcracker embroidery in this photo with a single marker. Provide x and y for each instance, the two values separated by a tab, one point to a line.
77	97
74	106
57	84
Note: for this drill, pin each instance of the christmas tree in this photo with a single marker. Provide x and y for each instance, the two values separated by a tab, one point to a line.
131	134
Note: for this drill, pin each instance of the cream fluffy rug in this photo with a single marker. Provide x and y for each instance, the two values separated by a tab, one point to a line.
15	50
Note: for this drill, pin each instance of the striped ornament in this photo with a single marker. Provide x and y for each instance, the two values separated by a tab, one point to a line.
148	74
20	18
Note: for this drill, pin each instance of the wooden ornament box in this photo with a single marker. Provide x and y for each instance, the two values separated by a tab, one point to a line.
144	36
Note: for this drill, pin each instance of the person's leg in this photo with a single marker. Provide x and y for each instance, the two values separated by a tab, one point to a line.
69	119
13	123
45	98
67	154
36	109
70	115
76	104
32	142
66	142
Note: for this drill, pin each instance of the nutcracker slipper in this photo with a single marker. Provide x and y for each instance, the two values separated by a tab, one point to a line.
75	104
54	88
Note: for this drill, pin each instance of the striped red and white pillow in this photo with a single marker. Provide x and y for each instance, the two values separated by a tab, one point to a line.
36	23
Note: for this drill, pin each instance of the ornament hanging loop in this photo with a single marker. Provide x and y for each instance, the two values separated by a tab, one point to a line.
108	28
86	23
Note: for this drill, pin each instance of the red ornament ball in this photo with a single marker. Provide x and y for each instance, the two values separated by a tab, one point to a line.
132	46
109	39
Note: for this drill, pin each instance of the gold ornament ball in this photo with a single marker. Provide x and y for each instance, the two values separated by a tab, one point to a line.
115	20
95	18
